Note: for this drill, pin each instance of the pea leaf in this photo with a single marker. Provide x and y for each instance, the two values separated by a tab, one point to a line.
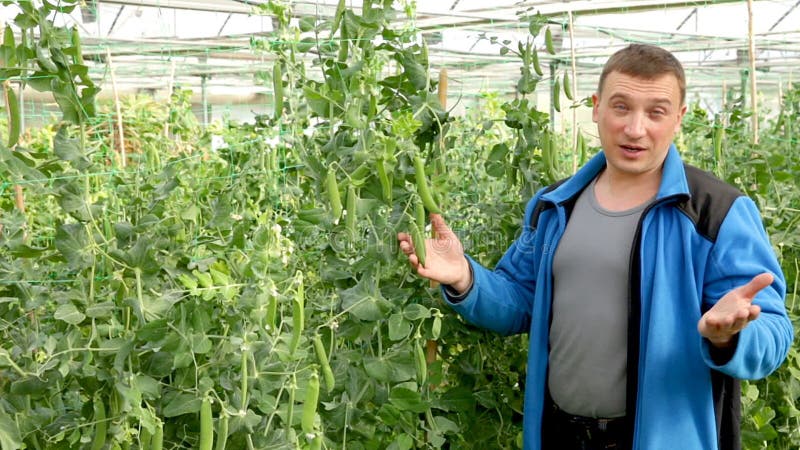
415	311
408	400
458	398
68	150
179	403
403	442
9	433
149	387
413	70
69	313
364	301
399	328
73	243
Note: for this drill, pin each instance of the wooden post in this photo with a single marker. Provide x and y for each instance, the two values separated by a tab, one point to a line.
753	86
442	89
123	157
574	82
19	198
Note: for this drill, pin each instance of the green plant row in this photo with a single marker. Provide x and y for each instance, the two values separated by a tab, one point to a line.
240	286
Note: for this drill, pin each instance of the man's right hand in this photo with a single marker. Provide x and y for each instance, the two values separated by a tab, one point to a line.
444	256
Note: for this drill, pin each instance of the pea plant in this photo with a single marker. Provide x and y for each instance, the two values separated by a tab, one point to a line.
250	294
767	172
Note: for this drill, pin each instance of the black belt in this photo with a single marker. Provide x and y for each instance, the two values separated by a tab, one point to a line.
571	431
590	423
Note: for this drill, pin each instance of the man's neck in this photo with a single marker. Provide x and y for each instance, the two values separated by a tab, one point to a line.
621	192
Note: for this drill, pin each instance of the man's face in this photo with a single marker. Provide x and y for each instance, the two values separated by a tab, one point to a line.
637	120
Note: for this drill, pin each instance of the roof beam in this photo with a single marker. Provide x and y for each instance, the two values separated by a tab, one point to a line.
194	5
430	20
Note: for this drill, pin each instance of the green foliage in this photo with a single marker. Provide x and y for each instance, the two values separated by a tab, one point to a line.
131	295
51	62
768	173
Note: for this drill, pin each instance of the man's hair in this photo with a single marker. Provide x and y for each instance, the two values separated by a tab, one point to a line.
647	62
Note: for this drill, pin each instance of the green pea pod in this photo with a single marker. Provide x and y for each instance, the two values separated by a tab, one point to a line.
243	380
310	403
277	89
422	186
366	9
352	215
335	200
157	442
420	215
548	157
548	41
272	310
22	49
45	60
421	363
290	405
101	425
298	314
779	122
419	243
315	216
582	149
557	95
14	114
8	38
322	357
222	433
206	426
145	439
337	17
386	184
436	328
298	323
535	60
567	86
719	135
76	44
344	46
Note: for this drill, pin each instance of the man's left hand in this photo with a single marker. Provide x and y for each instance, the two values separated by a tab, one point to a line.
733	312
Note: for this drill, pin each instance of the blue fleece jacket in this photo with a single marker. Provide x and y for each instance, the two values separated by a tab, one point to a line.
694	244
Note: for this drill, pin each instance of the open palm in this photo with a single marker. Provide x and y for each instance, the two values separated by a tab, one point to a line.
733	312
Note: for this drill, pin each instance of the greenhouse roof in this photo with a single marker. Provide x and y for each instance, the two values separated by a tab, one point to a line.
206	44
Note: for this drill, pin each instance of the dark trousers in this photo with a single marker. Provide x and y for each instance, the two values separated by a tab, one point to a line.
563	431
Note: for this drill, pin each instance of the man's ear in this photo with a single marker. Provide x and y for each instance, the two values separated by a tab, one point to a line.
595	103
681	113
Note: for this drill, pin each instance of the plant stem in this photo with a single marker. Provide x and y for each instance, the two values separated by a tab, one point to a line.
139	295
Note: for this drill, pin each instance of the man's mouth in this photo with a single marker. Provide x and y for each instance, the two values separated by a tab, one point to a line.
632	148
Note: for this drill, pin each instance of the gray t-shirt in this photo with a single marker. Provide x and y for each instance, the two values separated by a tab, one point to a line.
589	331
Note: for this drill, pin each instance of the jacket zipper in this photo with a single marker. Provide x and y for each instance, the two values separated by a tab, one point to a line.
635	319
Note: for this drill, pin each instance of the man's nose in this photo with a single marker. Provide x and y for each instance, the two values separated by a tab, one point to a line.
634	128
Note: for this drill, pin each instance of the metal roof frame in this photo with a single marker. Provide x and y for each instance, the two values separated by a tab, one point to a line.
224	59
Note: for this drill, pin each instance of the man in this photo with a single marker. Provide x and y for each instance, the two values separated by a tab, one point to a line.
648	287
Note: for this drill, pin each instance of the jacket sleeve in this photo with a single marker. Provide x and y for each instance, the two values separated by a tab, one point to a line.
501	300
742	250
